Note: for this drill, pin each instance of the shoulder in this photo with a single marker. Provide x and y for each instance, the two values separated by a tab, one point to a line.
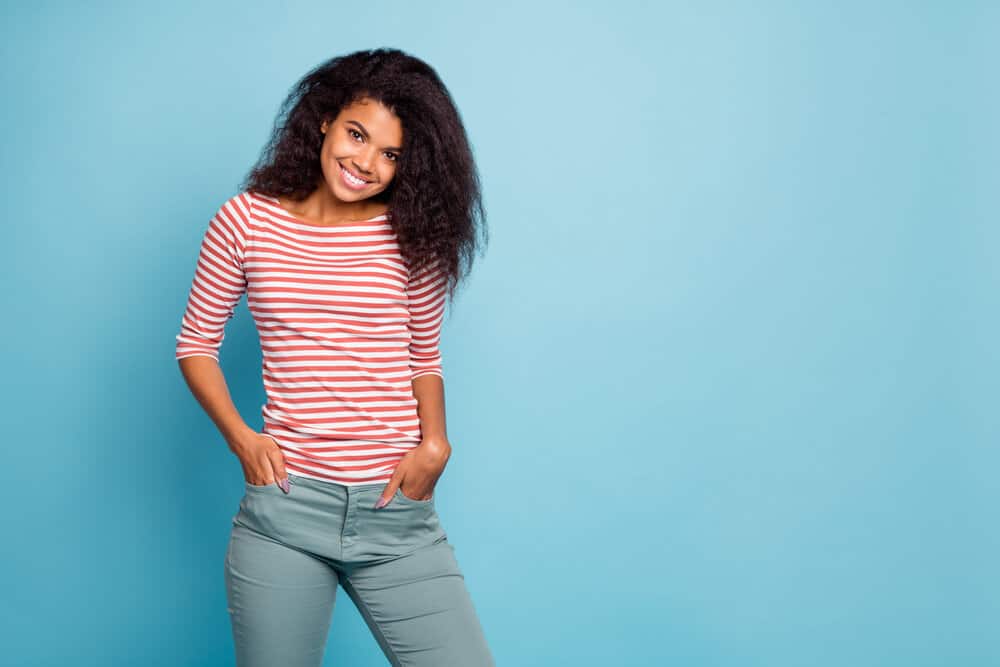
243	204
233	217
246	208
237	208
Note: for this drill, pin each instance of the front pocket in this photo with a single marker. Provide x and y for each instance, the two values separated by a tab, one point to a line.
406	499
261	508
263	487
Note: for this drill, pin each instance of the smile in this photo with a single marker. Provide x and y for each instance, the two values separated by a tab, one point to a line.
351	180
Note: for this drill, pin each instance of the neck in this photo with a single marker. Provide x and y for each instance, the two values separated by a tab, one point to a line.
322	207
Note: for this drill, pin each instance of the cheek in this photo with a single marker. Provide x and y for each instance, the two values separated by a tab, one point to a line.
330	167
335	148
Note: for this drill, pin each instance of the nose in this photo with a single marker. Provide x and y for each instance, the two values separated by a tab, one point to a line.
364	160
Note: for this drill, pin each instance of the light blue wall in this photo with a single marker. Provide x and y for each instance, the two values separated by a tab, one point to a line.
723	391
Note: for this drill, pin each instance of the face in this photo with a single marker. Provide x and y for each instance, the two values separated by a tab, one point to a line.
364	141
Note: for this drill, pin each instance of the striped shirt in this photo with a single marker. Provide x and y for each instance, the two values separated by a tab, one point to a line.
343	326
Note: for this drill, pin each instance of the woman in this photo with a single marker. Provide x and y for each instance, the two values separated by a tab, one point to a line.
360	218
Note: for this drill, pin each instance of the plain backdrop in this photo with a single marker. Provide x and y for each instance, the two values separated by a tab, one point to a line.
722	390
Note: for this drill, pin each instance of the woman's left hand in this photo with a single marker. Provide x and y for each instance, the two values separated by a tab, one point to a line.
420	469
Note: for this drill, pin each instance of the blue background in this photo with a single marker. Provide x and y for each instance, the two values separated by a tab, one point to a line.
722	390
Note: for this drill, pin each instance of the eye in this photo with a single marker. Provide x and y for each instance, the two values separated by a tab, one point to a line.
392	156
352	132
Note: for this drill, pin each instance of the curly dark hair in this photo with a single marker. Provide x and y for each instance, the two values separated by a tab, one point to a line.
434	200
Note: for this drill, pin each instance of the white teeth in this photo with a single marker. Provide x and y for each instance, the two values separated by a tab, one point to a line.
351	178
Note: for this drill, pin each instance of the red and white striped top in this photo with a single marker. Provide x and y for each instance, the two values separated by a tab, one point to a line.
344	329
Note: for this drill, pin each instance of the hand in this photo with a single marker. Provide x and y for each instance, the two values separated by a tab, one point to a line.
420	468
262	460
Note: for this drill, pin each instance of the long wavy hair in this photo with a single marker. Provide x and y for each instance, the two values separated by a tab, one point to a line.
434	200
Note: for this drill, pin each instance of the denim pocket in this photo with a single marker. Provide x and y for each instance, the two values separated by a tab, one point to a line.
266	487
262	487
262	508
406	499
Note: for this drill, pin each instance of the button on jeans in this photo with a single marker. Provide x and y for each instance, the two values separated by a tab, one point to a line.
288	553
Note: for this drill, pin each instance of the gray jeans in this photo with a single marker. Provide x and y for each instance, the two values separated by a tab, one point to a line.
288	553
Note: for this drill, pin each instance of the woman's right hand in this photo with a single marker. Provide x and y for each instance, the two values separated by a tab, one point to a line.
262	460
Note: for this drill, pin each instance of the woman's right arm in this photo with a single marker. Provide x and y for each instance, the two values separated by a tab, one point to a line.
205	380
218	284
262	460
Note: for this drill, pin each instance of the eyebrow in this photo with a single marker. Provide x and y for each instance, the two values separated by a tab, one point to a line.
368	136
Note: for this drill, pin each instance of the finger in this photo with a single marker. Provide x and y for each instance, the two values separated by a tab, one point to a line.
390	490
277	461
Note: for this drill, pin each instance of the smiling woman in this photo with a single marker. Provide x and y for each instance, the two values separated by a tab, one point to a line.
349	235
358	157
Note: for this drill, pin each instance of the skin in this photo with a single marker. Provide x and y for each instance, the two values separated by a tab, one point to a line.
363	137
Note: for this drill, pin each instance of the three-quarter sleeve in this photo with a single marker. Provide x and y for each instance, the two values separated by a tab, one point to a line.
219	281
426	292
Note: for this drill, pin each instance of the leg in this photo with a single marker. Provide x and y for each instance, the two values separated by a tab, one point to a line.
280	601
419	610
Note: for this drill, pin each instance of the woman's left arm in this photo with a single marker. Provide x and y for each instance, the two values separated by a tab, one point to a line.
423	465
426	301
428	389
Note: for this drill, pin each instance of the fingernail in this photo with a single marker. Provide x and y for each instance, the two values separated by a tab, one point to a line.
381	503
284	485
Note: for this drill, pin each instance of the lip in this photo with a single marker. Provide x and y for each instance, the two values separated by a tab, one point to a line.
352	185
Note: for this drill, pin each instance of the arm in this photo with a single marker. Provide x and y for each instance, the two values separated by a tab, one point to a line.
219	283
259	455
426	293
208	385
423	465
428	389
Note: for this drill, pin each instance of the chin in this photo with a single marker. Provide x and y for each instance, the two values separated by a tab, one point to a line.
357	196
